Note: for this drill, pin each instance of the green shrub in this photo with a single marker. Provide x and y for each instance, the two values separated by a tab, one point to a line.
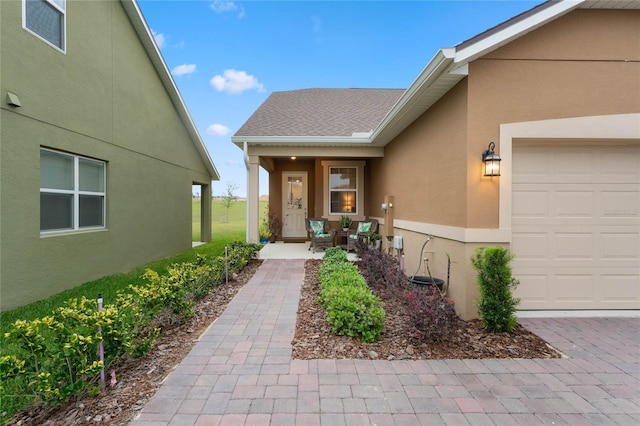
350	306
496	305
334	254
356	312
49	359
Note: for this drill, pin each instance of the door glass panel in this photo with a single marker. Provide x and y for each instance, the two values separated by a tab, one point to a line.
295	193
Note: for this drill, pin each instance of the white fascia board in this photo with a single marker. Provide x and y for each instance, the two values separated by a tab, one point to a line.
512	32
300	140
441	60
146	37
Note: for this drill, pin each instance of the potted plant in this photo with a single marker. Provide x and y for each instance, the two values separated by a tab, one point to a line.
372	238
345	222
275	226
263	231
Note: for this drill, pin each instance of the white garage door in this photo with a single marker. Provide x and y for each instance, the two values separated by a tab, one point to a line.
576	226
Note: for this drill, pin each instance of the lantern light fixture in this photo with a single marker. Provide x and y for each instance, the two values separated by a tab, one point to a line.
491	161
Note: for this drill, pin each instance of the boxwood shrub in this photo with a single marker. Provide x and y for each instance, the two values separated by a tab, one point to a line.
351	308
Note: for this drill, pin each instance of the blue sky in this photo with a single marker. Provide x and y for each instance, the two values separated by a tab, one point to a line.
226	57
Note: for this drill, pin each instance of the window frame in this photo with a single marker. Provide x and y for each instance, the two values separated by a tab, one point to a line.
62	10
358	213
76	192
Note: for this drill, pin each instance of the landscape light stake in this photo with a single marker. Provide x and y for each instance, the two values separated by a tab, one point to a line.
226	264
103	386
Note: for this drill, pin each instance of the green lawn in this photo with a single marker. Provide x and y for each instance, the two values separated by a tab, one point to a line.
221	225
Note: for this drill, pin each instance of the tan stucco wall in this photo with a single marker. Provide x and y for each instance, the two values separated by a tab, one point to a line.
425	167
586	63
583	64
100	99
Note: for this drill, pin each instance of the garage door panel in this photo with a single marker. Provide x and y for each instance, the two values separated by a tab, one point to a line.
574	204
533	290
530	246
619	161
620	246
530	204
574	246
620	205
570	162
620	288
578	287
576	229
531	162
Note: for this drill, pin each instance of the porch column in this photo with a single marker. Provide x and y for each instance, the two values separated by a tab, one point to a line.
205	213
253	199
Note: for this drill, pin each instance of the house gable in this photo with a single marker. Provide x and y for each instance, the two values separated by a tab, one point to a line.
108	97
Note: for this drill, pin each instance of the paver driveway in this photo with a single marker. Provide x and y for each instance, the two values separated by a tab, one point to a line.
241	373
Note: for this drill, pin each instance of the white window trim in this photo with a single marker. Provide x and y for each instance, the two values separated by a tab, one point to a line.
62	10
76	192
359	165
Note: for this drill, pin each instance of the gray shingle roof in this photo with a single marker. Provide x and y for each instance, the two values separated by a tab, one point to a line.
320	112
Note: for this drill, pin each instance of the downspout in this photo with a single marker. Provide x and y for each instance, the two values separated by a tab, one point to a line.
246	164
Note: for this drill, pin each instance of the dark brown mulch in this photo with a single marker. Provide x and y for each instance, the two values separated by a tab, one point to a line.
314	340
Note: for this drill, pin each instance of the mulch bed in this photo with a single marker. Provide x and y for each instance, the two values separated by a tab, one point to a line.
314	340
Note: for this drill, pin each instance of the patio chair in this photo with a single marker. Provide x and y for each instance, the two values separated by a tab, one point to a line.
319	233
369	225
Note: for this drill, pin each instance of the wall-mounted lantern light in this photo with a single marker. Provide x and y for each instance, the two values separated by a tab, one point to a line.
491	161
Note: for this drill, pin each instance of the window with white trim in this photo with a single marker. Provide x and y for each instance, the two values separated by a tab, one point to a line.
47	20
343	190
72	192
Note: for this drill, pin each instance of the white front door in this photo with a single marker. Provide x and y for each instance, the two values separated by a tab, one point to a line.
294	204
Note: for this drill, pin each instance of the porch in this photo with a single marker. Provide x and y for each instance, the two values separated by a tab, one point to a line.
280	250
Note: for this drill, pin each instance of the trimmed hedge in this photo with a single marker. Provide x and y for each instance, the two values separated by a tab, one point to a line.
49	359
351	308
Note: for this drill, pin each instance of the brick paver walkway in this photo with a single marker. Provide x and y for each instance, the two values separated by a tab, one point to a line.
241	373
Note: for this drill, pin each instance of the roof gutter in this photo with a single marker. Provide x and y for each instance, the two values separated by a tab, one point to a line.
241	141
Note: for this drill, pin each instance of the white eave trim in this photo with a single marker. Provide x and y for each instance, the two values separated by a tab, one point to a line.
300	140
514	31
442	61
144	33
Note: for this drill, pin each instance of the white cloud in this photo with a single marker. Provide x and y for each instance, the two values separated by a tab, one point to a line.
218	130
233	81
183	69
160	39
222	6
